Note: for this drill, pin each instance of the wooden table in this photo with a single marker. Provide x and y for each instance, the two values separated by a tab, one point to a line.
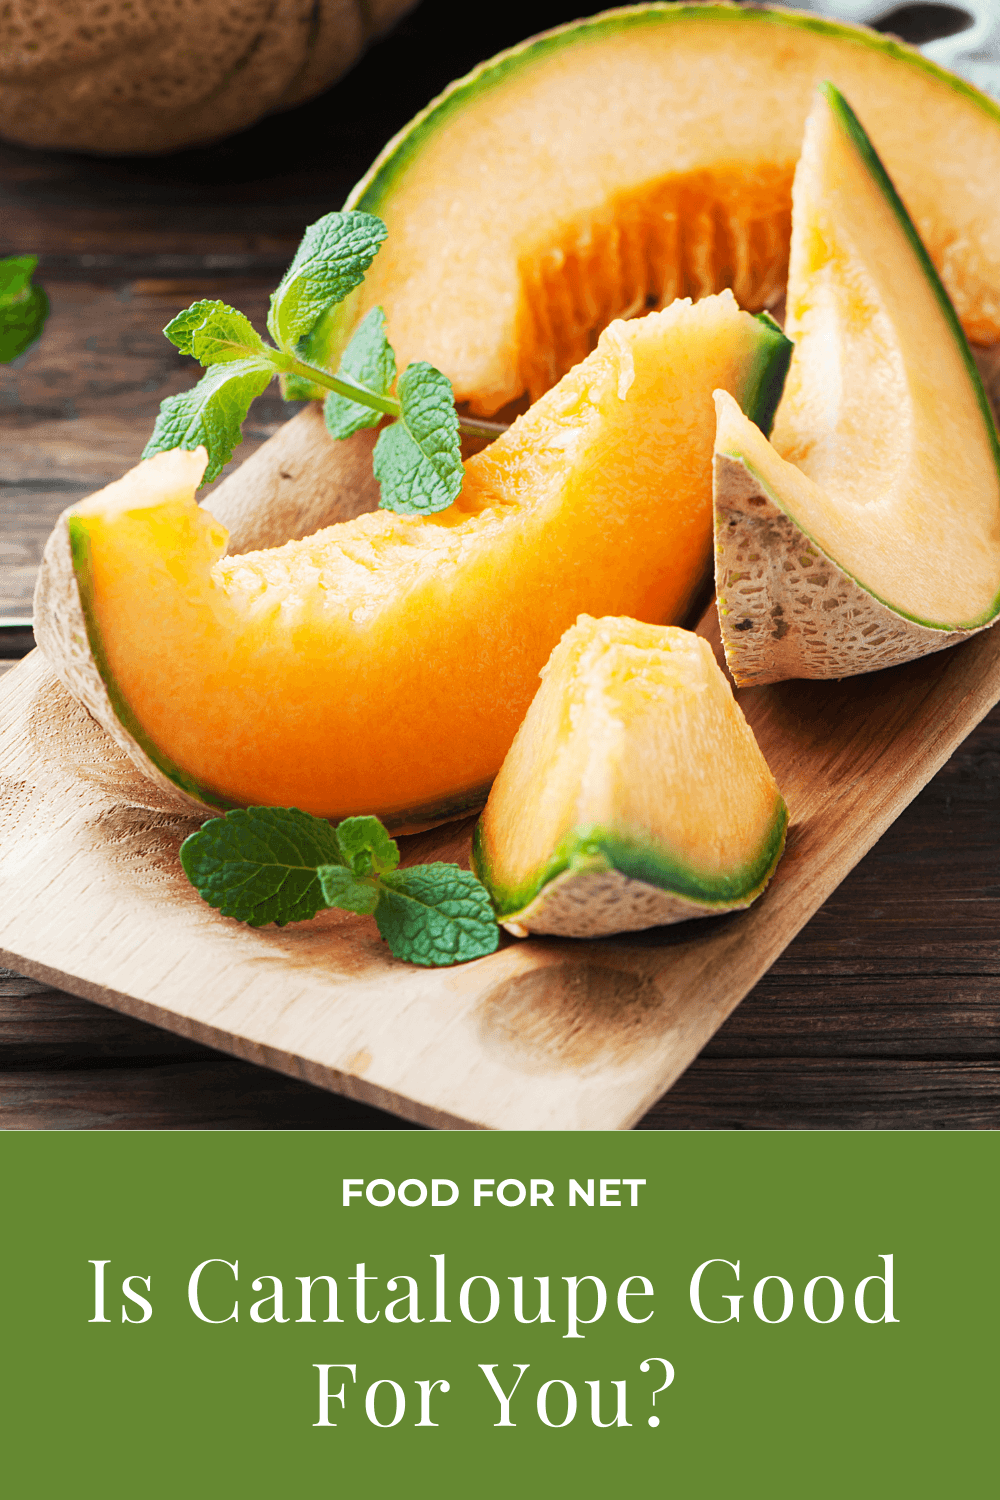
884	1012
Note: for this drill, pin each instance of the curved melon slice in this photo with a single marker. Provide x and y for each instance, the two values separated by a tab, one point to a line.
869	533
634	793
384	664
637	156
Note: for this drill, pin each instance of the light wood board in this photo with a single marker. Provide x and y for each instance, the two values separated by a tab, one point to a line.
543	1034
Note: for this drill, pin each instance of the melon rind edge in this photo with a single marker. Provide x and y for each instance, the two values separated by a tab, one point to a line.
598	903
331	335
63	636
66	639
766	566
582	902
584	893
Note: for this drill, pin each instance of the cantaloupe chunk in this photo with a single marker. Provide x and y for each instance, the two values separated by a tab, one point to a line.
868	532
641	155
384	664
634	793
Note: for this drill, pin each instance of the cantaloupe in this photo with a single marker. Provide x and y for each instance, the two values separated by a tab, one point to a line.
640	155
384	664
869	533
128	76
634	793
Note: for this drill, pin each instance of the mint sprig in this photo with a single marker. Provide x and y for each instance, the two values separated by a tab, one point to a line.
419	462
436	915
419	458
261	864
23	306
277	864
368	362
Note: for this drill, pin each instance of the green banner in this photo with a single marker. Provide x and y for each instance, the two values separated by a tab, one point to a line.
262	1314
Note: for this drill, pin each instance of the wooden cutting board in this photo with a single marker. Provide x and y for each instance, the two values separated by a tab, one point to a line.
544	1034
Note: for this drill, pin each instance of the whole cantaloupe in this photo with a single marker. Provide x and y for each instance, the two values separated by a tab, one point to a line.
136	76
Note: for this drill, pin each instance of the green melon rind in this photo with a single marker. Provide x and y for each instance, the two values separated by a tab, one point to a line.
79	543
591	848
764	381
371	192
456	805
325	342
852	126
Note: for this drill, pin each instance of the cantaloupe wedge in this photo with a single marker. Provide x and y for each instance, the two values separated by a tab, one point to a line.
637	156
634	793
384	664
869	533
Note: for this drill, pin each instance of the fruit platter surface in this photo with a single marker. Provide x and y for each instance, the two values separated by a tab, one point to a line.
877	1008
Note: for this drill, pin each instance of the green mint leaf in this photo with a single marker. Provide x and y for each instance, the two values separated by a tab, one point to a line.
261	864
418	460
349	891
15	276
368	360
211	415
365	846
180	330
331	261
213	333
277	864
436	915
23	307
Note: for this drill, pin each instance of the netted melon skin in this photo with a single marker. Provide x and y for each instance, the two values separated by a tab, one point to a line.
134	77
597	904
785	608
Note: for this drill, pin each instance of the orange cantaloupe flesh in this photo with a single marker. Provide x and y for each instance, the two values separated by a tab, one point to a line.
634	754
384	664
900	471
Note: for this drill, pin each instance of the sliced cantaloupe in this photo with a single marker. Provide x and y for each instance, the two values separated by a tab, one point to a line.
634	793
869	533
641	155
384	664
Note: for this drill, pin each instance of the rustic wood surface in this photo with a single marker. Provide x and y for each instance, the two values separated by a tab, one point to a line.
885	1011
544	1034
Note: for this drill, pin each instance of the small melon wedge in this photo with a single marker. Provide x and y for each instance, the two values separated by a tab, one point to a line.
384	664
640	155
867	532
634	793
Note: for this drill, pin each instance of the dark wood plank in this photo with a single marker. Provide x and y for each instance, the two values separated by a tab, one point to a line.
830	1094
218	1094
66	1064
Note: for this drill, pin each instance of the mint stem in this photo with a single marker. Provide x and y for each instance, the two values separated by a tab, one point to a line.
386	404
476	427
471	426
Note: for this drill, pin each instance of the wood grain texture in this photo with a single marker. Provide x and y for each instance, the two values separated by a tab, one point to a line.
543	1034
79	408
866	1020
